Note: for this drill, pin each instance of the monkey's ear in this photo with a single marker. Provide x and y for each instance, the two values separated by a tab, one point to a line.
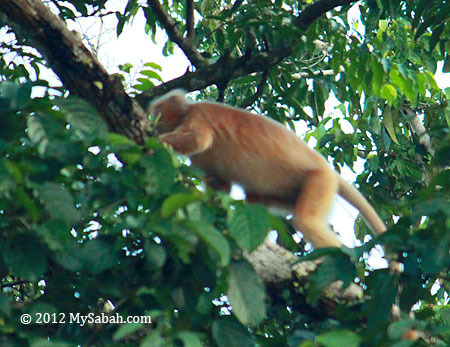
174	100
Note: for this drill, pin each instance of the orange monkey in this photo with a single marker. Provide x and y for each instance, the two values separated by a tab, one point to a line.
268	160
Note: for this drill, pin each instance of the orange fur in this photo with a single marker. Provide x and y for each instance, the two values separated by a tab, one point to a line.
269	161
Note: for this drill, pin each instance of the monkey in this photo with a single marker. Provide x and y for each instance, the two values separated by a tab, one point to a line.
269	161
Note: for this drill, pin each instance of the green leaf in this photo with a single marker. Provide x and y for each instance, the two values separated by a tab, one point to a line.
248	225
98	255
82	117
16	94
24	257
189	339
388	115
47	343
152	74
246	293
126	330
154	66
389	93
213	238
446	63
378	74
179	200
41	127
339	338
59	203
160	172
333	268
6	305
229	333
154	254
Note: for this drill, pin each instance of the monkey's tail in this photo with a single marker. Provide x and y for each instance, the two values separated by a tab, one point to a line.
354	197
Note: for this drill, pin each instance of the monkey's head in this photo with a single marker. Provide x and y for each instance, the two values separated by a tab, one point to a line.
169	110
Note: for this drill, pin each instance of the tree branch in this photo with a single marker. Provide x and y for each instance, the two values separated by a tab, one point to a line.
75	65
279	268
223	69
190	21
259	91
317	9
186	44
418	128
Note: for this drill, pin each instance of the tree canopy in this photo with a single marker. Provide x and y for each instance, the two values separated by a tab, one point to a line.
99	220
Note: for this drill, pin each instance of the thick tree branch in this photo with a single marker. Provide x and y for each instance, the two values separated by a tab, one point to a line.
222	70
74	64
317	9
186	44
279	269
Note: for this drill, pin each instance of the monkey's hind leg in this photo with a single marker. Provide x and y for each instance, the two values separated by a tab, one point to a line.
313	206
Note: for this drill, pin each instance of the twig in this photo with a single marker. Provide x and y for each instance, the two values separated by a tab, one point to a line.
259	91
186	45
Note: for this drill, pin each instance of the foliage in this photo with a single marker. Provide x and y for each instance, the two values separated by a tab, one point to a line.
91	223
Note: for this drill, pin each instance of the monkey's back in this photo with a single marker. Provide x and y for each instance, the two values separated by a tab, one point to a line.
254	151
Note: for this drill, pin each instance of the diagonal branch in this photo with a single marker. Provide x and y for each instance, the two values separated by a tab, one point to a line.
186	44
317	9
74	64
222	70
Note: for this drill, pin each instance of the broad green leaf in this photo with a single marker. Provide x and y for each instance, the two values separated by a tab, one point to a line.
59	203
154	254
213	238
41	127
179	200
17	95
82	117
229	333
126	330
339	338
246	293
152	74
389	93
47	343
378	74
333	268
98	256
6	305
446	67
190	339
154	66
388	115
383	25
24	257
248	225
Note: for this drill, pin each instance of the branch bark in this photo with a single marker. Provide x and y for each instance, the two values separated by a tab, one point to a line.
190	20
418	128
